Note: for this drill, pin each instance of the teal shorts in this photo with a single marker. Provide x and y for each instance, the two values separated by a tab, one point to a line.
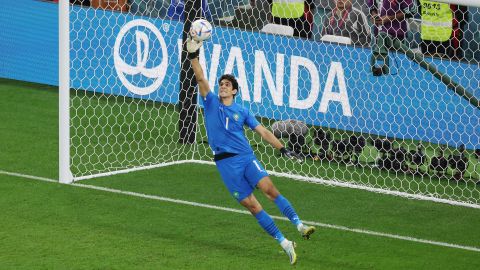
241	174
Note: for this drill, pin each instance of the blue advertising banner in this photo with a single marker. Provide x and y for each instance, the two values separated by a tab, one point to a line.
322	84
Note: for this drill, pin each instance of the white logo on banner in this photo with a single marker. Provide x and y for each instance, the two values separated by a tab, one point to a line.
143	50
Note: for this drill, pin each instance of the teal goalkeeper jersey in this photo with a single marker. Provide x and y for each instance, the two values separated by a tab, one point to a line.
224	126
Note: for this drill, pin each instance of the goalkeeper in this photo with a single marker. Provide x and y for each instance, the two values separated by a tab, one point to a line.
239	168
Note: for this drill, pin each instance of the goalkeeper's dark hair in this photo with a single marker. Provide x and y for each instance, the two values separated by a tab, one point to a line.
232	79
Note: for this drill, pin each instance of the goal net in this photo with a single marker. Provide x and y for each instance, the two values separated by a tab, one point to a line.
390	107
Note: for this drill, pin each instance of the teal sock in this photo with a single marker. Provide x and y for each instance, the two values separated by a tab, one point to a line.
287	210
269	226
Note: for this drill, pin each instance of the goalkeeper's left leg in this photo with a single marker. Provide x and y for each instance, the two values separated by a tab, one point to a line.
287	210
285	207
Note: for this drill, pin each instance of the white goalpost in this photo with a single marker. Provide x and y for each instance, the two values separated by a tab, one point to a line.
127	97
64	173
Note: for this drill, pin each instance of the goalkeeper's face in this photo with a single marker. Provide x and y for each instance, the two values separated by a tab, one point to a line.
226	89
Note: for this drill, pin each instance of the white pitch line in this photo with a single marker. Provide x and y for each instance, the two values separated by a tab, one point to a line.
209	206
21	175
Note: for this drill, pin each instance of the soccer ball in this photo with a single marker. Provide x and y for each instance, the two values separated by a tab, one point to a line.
201	30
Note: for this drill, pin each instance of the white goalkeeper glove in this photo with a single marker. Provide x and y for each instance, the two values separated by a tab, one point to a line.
193	47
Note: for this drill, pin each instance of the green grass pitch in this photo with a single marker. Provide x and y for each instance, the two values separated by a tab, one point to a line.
47	225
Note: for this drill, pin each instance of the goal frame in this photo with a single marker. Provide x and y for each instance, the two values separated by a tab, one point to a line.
65	174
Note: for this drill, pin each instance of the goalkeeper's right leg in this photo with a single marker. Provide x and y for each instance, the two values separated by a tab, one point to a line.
289	248
266	222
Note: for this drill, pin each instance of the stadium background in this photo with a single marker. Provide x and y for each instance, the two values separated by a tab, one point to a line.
96	229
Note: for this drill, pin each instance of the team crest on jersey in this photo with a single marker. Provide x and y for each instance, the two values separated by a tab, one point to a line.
236	117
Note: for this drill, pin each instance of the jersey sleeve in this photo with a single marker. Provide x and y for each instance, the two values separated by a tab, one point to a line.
209	100
250	120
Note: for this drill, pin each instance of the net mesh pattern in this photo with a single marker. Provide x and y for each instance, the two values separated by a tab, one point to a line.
363	106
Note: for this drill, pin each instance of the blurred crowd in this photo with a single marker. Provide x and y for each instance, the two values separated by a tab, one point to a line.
432	28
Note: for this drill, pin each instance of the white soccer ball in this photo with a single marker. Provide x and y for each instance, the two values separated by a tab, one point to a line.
201	30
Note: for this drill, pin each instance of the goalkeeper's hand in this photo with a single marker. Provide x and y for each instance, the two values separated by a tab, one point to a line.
291	155
193	47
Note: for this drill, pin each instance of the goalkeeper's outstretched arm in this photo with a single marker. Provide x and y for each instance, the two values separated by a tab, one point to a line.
193	48
268	136
203	86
